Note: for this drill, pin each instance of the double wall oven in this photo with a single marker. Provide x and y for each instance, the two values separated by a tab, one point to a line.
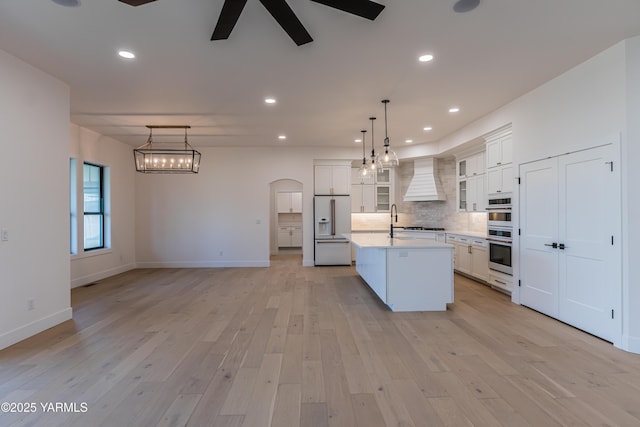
500	233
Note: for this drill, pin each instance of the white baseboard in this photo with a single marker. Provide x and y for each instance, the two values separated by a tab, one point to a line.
35	327
630	344
203	264
85	280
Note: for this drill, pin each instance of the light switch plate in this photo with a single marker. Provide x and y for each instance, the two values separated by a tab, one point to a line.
4	235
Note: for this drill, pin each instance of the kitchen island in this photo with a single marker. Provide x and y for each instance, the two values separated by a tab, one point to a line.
407	274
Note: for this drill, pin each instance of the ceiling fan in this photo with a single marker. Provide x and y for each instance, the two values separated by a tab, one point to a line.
280	10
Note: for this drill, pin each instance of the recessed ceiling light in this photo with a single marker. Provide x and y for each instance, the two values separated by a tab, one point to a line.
282	136
425	58
427	128
463	6
126	54
68	3
270	100
408	141
454	110
357	140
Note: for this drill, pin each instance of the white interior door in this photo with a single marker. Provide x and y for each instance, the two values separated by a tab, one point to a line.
589	206
539	231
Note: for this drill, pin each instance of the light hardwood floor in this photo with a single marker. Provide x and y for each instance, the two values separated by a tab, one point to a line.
299	346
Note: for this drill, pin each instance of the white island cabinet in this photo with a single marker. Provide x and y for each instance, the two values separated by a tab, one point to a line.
407	274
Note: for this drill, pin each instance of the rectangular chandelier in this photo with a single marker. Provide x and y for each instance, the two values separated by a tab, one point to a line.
167	157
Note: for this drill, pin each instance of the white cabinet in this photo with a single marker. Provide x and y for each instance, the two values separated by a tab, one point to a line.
383	198
296	236
362	198
500	179
499	151
479	259
332	179
372	192
471	189
289	202
471	165
501	281
471	256
499	167
358	178
471	194
290	236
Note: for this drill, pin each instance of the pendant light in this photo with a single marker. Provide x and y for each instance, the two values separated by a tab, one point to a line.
390	158
363	169
167	158
375	161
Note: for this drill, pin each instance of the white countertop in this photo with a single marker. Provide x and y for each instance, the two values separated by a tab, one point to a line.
382	240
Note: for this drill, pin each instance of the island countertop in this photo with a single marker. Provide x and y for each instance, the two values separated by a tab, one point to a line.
382	240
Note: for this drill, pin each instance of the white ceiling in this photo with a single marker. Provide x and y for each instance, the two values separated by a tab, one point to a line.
327	89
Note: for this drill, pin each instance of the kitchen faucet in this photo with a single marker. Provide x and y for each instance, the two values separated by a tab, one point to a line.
393	206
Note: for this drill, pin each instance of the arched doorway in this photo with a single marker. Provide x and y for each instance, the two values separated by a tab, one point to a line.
286	219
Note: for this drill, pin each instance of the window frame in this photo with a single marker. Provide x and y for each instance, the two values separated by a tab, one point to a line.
100	213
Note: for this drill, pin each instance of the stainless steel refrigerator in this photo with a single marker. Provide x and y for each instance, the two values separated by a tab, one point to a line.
332	219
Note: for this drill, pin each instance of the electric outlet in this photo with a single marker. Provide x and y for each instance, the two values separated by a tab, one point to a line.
4	235
31	304
221	253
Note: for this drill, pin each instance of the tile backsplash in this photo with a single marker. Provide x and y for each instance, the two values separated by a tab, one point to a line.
427	214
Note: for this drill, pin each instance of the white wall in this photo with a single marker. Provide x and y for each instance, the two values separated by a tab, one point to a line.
34	200
211	219
631	199
86	145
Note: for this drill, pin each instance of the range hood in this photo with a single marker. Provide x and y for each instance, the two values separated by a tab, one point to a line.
425	185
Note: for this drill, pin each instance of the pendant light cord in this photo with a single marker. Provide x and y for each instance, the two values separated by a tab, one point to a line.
373	150
386	136
364	157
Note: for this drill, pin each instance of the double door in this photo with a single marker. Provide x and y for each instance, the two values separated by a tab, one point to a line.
570	252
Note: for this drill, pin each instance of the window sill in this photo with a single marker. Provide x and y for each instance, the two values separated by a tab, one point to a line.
90	254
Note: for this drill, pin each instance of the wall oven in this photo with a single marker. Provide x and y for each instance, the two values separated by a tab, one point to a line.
500	241
499	211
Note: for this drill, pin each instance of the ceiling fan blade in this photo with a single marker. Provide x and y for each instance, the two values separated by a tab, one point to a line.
136	2
363	8
288	20
231	10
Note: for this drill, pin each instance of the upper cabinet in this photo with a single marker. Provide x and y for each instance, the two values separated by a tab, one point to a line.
289	202
332	179
471	190
499	157
372	192
358	179
499	151
471	165
500	179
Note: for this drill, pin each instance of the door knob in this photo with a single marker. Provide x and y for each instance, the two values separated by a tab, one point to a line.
554	245
562	246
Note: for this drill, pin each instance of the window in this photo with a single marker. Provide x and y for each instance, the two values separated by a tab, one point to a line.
93	190
73	207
